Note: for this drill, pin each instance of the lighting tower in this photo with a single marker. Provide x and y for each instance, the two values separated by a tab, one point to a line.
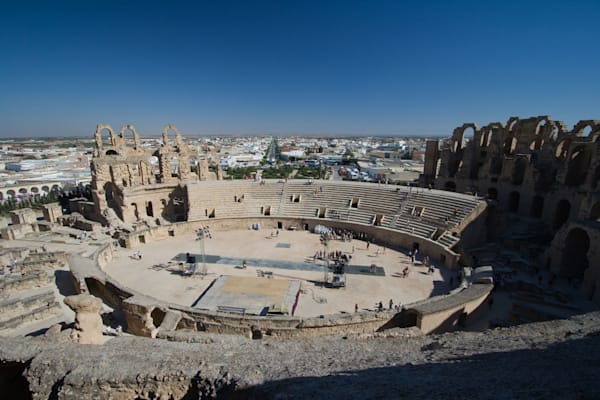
200	235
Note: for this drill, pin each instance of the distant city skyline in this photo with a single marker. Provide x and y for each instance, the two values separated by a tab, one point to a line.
314	68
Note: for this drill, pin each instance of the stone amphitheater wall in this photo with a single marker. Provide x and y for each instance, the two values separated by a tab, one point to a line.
448	313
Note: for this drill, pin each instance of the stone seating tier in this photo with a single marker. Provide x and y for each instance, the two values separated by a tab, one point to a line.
336	201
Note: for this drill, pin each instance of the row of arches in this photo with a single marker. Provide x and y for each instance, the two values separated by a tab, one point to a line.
112	140
536	210
27	192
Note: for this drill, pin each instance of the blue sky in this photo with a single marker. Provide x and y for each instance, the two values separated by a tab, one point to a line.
294	67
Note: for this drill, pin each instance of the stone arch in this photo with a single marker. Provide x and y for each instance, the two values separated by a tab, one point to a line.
165	134
574	255
586	127
98	136
10	194
450	186
55	188
34	190
111	152
537	206
136	137
23	191
510	124
109	195
561	215
492	193
45	189
562	149
595	211
496	165
518	172
579	164
554	132
1	197
461	135
510	145
487	135
513	201
542	126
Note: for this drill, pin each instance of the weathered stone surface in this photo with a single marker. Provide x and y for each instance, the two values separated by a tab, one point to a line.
556	359
88	323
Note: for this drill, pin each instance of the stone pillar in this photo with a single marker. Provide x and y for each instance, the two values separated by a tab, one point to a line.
88	323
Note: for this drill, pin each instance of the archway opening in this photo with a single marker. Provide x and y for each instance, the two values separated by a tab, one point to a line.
596	177
578	167
595	211
562	149
518	172
174	164
109	195
136	213
574	256
468	135
149	210
563	209
510	145
537	143
486	137
496	165
513	201
537	206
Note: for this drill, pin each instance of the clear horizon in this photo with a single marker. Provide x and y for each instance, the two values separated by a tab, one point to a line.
311	68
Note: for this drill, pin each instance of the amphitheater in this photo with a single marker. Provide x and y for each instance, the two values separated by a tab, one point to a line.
175	283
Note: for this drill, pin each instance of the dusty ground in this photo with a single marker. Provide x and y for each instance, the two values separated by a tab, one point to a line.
167	283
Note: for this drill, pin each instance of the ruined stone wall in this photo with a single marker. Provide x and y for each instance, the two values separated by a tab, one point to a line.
15	232
537	168
450	312
138	182
526	361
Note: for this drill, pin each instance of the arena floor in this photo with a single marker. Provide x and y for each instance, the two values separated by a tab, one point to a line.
287	256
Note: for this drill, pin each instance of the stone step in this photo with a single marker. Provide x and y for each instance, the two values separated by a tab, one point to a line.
23	322
21	303
18	282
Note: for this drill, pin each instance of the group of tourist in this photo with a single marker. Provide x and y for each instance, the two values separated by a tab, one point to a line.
379	306
337	256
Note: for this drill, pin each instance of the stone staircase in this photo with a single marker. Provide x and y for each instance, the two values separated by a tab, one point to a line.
28	301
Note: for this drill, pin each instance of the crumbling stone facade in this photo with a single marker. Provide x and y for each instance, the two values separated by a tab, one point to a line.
132	182
534	168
